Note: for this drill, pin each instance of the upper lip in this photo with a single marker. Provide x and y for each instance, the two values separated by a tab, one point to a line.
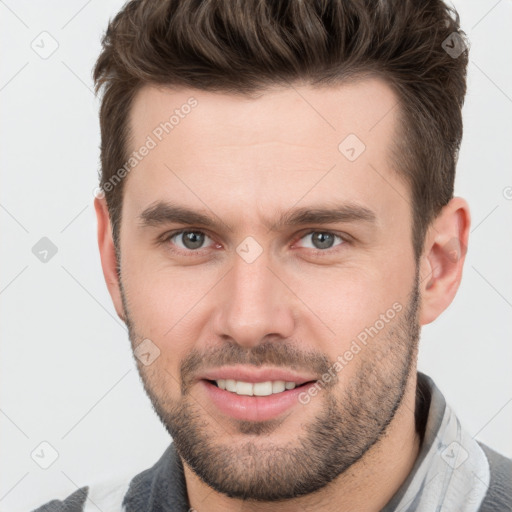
252	374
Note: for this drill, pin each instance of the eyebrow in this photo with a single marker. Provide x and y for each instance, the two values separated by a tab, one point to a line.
161	213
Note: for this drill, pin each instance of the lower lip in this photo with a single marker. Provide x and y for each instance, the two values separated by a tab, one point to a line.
253	408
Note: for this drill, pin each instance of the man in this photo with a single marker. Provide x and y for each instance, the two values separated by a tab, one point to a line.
276	224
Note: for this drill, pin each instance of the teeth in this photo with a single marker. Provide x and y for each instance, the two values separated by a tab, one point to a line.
231	385
244	388
278	386
262	388
254	389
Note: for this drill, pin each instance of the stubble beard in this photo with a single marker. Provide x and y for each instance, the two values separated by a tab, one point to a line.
351	421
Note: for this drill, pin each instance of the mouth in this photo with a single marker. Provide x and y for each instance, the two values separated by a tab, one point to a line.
254	395
255	401
266	388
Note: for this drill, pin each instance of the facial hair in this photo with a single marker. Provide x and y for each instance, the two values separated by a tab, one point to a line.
352	419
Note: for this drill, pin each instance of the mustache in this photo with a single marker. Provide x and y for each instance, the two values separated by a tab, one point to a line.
276	354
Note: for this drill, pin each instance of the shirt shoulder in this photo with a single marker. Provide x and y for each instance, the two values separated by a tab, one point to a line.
161	487
499	493
73	503
105	495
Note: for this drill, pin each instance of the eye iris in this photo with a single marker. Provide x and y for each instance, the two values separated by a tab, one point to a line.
322	240
192	239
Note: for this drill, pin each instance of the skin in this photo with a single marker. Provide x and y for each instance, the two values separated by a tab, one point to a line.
245	161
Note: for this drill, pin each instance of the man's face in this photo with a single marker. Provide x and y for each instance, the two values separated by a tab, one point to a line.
263	296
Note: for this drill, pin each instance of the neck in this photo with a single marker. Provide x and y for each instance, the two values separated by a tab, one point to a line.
383	469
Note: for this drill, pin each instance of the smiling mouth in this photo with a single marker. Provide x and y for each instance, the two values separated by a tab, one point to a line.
267	388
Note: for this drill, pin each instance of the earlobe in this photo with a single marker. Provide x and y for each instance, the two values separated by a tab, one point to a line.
443	259
108	254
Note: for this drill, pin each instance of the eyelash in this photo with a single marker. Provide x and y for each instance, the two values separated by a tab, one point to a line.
198	252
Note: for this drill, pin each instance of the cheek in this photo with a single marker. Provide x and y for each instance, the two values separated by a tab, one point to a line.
348	299
164	302
159	313
360	305
172	305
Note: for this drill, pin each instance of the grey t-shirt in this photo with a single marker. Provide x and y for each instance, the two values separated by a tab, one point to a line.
453	473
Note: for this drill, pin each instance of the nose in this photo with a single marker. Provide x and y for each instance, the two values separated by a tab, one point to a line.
255	304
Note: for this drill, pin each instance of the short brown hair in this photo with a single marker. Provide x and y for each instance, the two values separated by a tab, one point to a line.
243	46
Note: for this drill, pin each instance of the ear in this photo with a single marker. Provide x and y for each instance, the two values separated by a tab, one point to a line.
443	258
108	254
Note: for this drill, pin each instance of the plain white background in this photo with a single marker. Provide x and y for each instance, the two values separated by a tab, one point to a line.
66	370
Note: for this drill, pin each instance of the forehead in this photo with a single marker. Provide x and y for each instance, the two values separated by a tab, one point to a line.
355	107
268	151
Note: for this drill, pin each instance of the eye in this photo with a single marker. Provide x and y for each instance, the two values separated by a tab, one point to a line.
322	240
191	240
